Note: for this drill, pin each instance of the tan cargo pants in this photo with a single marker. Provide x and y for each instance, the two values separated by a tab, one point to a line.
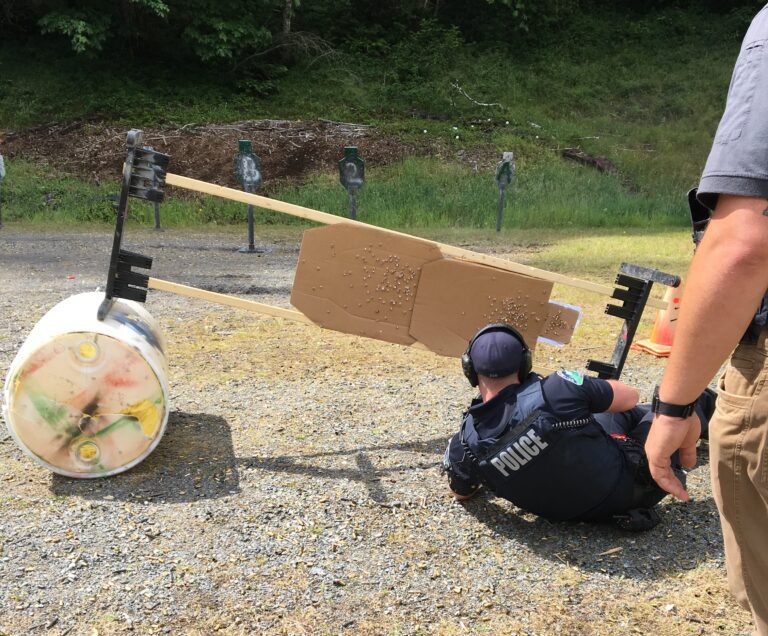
739	463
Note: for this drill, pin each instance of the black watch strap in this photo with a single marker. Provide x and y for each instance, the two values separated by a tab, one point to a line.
672	410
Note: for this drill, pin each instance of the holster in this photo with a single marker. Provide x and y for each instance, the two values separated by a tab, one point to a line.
645	492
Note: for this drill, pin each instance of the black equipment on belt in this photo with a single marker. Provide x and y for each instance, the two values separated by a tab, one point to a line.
700	215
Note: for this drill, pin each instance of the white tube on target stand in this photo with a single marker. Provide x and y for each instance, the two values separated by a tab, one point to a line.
88	398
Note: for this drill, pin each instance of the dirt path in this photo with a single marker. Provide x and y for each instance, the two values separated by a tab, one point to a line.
289	150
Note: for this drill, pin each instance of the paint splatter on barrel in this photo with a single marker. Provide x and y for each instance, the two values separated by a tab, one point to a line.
88	398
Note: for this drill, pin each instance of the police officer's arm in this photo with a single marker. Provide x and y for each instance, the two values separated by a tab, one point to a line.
727	279
625	397
572	395
463	481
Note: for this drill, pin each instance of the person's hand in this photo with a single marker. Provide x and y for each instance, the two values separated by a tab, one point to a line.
459	497
667	435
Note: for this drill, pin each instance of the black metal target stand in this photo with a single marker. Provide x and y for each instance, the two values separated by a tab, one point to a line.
143	178
248	173
352	176
505	172
633	289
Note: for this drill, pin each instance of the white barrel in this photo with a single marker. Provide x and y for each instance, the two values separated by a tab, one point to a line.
88	398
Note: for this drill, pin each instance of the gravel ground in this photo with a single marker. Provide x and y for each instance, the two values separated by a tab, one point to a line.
297	489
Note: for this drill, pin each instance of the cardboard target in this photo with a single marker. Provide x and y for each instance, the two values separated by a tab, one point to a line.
360	280
456	298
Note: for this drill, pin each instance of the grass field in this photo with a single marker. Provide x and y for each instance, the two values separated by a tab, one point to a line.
643	90
415	193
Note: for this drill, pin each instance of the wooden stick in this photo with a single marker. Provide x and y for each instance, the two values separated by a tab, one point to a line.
240	303
330	219
226	299
259	308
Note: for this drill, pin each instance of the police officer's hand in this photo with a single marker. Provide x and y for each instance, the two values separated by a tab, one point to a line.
459	497
667	435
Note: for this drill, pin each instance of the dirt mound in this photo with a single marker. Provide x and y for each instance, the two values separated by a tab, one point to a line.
289	150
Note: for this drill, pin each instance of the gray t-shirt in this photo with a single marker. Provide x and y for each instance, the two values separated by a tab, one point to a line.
738	161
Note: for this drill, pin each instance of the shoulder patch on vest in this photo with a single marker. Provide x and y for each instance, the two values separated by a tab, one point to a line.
574	377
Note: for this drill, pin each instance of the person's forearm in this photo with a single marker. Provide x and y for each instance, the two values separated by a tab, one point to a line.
625	396
727	279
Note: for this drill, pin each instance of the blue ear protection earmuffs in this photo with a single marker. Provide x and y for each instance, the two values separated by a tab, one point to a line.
526	364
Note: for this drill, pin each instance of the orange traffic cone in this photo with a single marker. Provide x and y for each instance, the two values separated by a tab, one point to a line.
663	332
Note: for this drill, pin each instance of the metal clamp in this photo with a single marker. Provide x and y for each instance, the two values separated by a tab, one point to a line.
634	284
144	173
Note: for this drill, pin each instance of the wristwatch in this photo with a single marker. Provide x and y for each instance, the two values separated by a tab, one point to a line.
672	410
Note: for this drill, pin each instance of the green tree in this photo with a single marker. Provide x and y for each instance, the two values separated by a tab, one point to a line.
88	25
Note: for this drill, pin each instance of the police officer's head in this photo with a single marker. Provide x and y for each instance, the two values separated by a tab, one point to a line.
496	351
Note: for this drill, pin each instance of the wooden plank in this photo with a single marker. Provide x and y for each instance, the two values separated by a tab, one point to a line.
448	250
226	299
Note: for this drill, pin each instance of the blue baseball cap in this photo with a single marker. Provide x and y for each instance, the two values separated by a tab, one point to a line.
496	353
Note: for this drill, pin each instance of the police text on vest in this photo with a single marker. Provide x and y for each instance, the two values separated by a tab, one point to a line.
519	453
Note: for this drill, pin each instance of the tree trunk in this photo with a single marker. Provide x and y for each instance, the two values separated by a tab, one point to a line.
286	33
287	15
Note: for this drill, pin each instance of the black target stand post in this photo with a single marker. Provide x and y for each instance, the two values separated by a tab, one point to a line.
352	176
633	289
248	173
156	186
143	178
505	172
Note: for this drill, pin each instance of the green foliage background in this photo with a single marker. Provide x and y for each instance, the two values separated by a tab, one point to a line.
641	83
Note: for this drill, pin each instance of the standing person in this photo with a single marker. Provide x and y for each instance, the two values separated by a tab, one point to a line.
724	309
565	447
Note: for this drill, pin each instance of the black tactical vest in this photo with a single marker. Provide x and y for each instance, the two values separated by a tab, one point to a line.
560	470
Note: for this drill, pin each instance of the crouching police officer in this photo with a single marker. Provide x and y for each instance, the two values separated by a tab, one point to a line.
567	447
